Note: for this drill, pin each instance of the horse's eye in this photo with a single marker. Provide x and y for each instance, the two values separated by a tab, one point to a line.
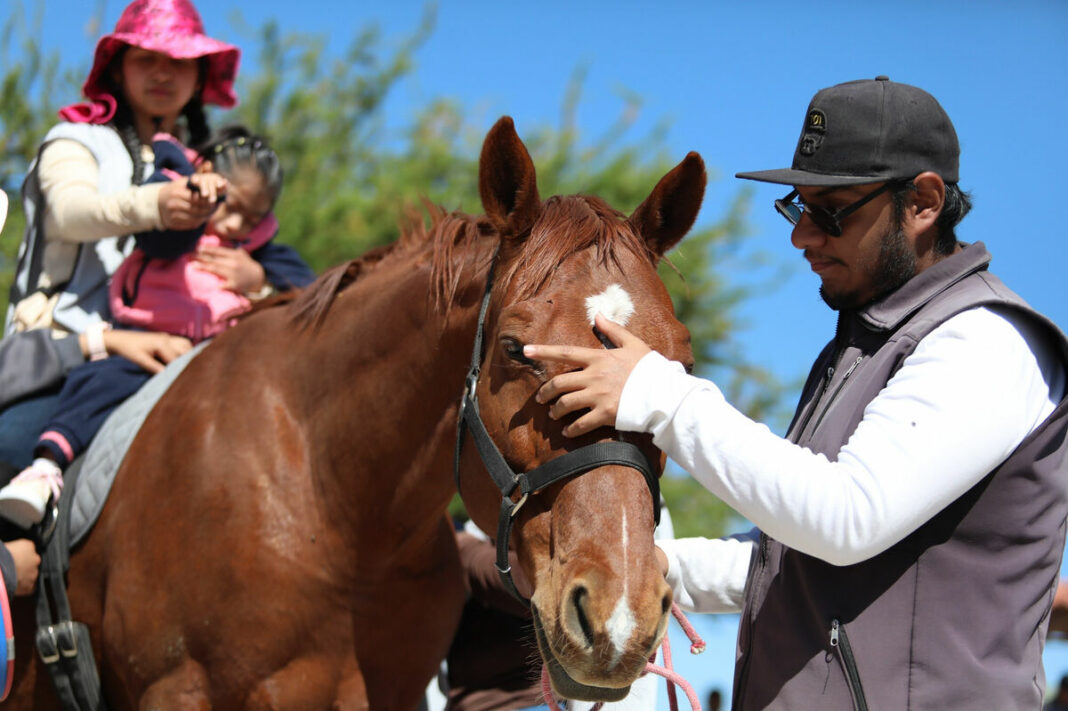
514	350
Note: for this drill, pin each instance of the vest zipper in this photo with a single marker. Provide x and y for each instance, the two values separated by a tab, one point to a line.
841	384
840	641
803	425
840	345
758	574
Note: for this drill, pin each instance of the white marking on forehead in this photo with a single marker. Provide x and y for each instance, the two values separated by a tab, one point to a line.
620	624
613	303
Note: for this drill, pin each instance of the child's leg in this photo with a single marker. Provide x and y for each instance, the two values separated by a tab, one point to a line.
91	392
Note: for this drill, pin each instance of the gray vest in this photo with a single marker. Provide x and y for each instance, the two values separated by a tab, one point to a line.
955	615
83	284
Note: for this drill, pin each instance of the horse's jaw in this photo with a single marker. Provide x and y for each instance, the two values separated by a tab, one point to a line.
564	686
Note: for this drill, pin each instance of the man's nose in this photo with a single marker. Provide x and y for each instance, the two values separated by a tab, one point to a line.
806	234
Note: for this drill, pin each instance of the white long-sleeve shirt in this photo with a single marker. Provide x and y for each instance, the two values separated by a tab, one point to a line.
926	438
75	209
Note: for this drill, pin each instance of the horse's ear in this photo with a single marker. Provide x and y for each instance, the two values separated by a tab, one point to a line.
506	180
670	210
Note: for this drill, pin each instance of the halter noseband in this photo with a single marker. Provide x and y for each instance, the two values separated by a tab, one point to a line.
575	462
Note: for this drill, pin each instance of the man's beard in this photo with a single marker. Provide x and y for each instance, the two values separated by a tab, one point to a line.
895	265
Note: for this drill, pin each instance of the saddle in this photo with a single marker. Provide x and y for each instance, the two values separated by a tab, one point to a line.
63	643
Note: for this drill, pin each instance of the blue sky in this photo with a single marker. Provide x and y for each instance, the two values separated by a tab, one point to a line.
733	79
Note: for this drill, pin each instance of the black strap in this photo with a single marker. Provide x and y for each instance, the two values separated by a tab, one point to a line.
473	371
565	466
32	259
569	464
63	644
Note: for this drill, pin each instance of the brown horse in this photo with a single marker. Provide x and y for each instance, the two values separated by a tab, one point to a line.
276	538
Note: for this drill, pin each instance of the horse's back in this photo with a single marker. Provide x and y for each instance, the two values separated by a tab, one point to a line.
216	569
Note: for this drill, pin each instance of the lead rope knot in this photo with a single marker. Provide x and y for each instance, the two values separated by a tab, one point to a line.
671	677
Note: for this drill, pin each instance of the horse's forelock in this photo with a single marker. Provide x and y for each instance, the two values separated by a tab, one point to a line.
452	237
569	224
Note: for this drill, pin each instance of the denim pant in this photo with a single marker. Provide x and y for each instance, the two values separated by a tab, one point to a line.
20	426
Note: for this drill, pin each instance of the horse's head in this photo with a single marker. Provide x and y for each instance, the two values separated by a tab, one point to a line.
600	604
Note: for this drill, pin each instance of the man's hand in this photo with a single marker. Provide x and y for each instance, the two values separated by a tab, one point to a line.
239	271
150	350
27	563
597	385
661	560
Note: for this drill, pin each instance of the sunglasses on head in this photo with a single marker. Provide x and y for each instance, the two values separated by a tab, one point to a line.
827	220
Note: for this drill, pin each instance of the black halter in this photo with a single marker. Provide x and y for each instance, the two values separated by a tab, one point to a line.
572	463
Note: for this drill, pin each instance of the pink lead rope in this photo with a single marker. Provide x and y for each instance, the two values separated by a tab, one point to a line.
673	679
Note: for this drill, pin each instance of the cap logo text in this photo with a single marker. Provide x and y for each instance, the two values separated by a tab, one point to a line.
815	128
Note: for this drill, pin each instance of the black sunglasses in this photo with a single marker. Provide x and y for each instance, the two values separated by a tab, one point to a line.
827	220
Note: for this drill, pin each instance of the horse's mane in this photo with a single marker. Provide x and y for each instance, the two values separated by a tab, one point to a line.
566	225
447	233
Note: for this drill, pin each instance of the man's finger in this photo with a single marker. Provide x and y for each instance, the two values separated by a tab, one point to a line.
563	383
587	423
572	355
563	405
615	332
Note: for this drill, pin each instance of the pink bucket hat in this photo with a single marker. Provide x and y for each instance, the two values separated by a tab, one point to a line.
171	27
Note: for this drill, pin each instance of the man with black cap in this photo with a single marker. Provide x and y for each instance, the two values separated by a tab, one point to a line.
909	527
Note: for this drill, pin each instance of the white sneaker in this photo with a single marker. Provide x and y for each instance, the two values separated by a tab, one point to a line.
25	500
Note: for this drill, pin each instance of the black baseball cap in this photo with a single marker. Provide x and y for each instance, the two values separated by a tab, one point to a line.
869	131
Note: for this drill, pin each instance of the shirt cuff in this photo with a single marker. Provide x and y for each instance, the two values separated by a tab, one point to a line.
708	575
69	352
653	392
266	290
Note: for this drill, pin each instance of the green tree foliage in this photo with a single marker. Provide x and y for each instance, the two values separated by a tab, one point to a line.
31	89
351	176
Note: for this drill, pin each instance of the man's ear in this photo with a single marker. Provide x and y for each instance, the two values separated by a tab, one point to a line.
927	200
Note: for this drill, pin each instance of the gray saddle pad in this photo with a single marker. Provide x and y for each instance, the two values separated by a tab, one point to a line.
105	454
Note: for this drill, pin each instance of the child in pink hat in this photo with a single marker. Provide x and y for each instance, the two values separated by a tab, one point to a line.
168	27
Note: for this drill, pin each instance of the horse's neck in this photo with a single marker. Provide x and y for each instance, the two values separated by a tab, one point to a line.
389	372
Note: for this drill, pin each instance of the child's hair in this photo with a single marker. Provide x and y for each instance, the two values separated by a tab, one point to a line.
237	147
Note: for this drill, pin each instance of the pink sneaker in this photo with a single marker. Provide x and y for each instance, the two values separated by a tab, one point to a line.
25	500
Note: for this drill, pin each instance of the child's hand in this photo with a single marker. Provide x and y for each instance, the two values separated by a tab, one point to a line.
27	563
239	271
185	203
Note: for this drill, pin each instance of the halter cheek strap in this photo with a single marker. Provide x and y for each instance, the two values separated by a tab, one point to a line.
567	465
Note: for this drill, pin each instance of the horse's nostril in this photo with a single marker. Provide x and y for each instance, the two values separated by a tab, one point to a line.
579	597
665	603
